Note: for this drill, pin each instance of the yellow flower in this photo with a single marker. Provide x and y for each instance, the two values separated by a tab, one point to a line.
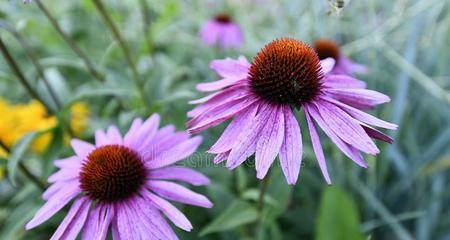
79	117
20	119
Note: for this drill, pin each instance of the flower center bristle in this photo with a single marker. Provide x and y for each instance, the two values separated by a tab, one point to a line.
112	173
222	18
327	49
286	71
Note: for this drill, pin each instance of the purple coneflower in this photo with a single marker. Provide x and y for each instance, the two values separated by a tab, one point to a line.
326	48
223	31
122	182
261	97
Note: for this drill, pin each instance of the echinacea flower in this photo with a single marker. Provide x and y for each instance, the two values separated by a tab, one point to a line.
123	182
261	98
222	31
326	48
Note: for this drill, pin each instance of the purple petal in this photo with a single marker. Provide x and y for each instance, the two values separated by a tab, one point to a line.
180	174
231	36
69	162
152	220
145	133
65	174
164	144
343	81
317	147
114	135
219	114
170	211
345	127
81	148
53	205
176	153
344	147
359	98
227	95
269	142
165	132
216	85
245	144
210	32
373	133
230	68
204	99
178	193
231	133
362	116
221	157
74	220
327	65
100	138
132	132
126	227
291	149
97	224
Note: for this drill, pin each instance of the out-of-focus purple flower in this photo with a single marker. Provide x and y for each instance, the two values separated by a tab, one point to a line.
261	97
27	1
326	48
222	31
122	183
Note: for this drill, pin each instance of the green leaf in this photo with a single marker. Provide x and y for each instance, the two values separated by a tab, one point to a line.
53	150
338	217
237	214
18	151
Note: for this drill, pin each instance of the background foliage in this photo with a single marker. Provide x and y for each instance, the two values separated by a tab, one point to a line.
404	193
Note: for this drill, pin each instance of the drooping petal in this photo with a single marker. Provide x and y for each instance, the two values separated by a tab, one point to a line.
217	85
362	116
344	147
343	82
175	154
153	220
98	222
236	127
227	95
221	157
219	114
317	147
373	133
327	65
170	211
81	148
292	148
359	98
182	174
74	220
345	127
175	192
125	226
269	142
53	205
246	142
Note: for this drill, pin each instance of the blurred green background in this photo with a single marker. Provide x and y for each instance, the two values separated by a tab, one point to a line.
404	193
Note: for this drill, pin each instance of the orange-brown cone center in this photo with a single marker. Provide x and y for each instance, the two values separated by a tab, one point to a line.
327	49
286	71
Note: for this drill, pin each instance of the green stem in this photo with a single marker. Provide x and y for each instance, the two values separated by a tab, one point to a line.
29	51
262	193
20	76
25	170
116	34
70	42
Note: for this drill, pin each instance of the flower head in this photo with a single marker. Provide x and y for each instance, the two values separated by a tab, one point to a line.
222	31
326	48
123	182
261	98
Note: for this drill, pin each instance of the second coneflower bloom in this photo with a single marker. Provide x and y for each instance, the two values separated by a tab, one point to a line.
261	98
326	48
222	31
122	184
